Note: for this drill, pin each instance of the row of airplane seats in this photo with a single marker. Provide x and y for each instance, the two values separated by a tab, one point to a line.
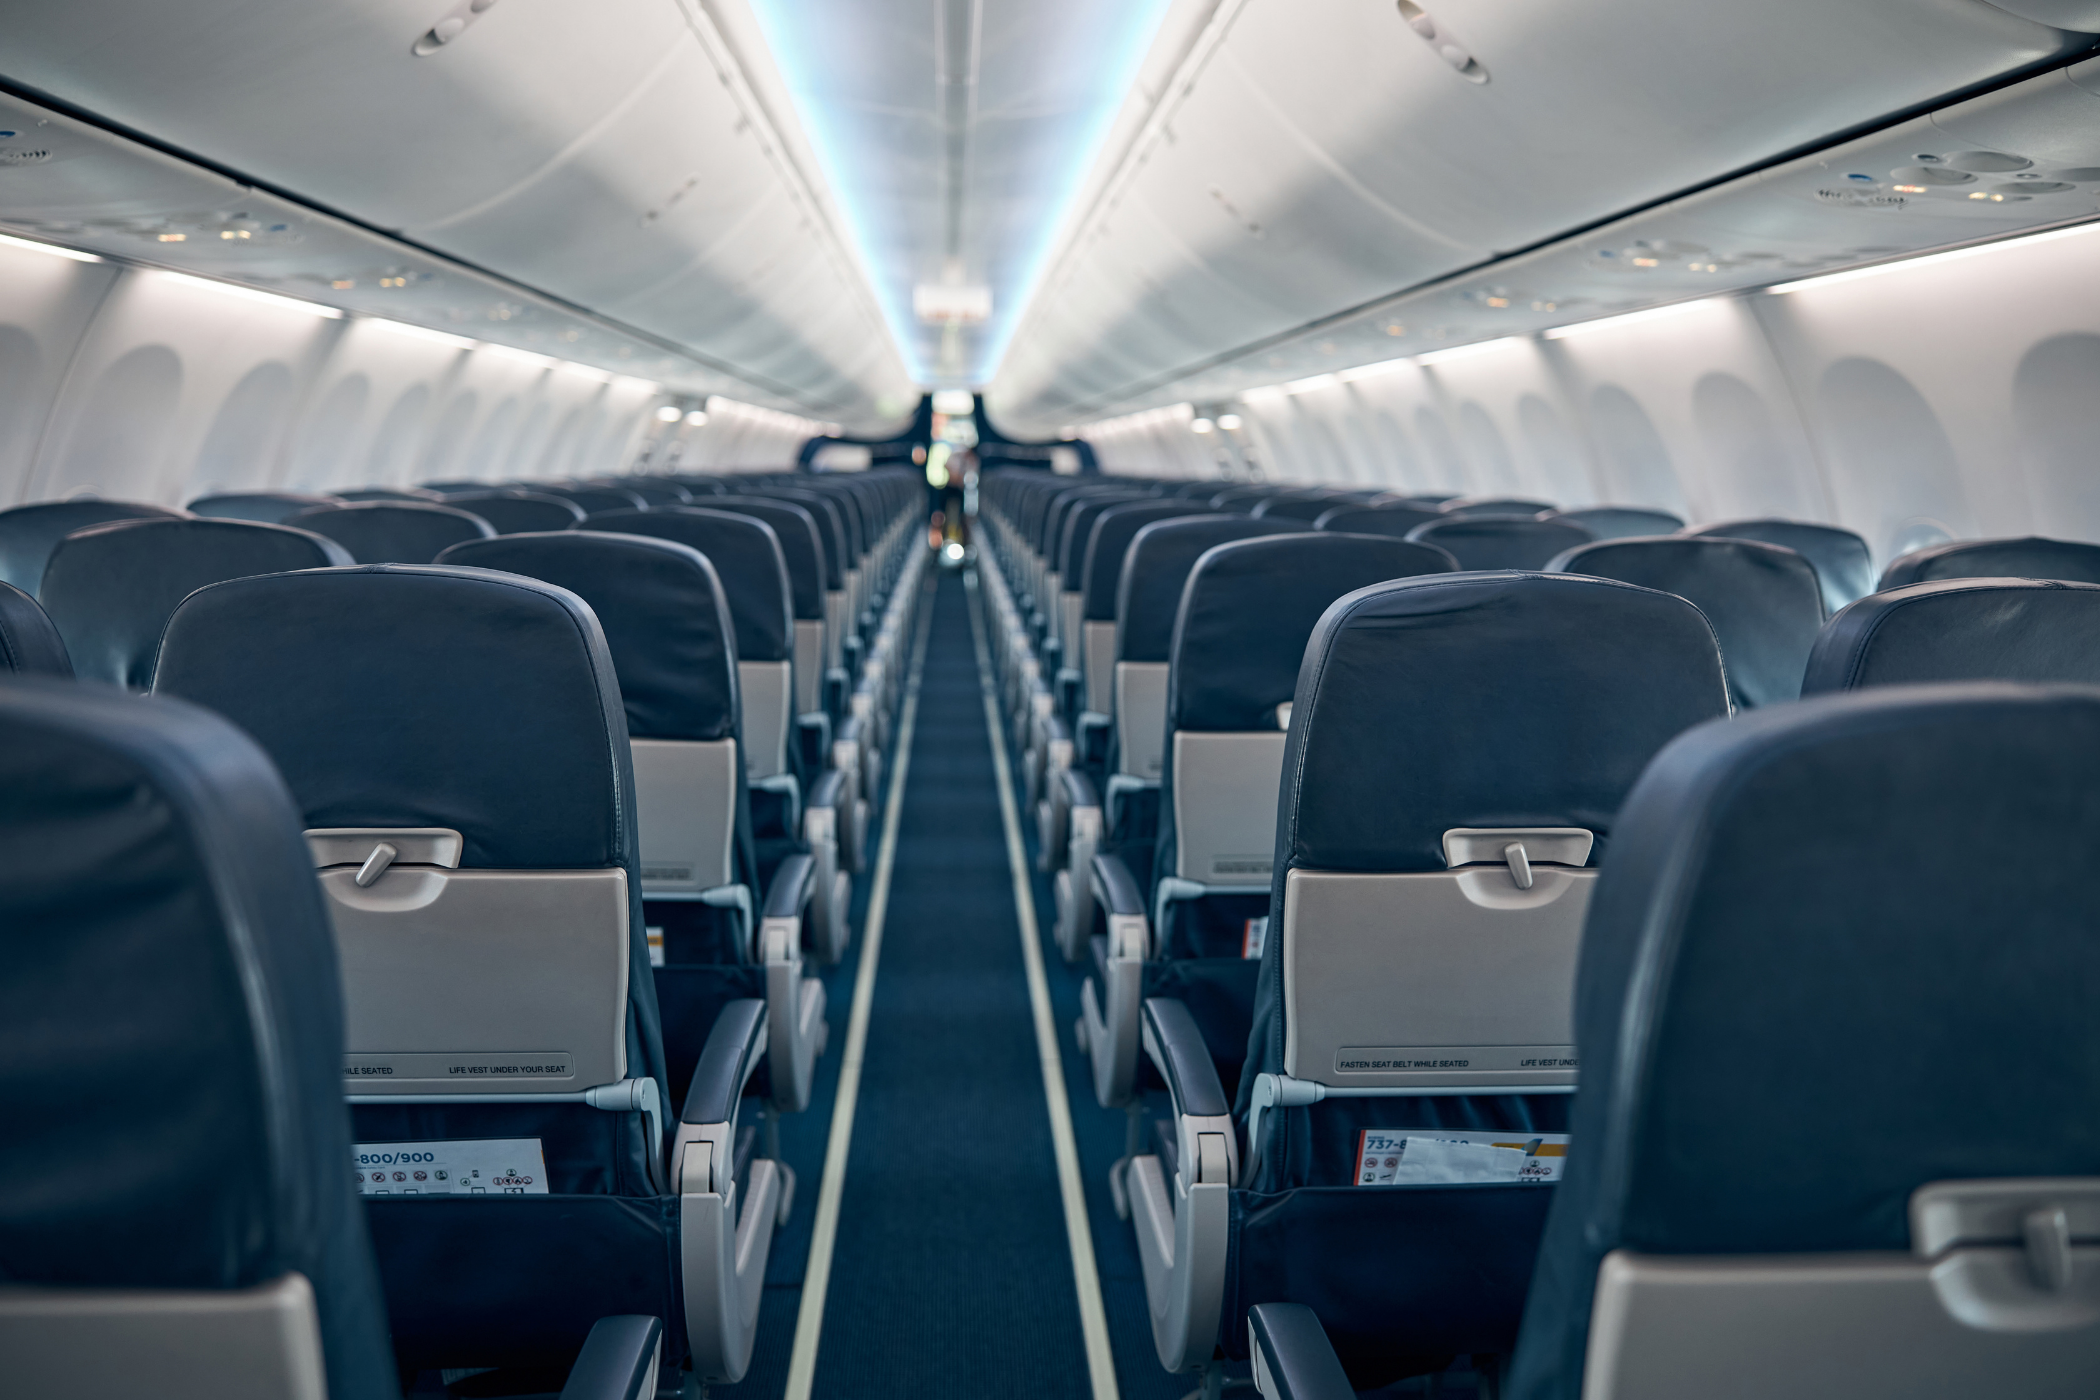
511	779
1380	917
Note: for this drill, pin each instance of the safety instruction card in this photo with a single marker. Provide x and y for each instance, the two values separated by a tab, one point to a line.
481	1167
1441	1157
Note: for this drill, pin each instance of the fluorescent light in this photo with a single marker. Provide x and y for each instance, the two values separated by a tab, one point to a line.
1230	422
235	289
1350	376
1854	274
509	352
698	418
1267	393
1200	425
953	403
667	414
72	254
1307	385
456	342
1653	313
1467	352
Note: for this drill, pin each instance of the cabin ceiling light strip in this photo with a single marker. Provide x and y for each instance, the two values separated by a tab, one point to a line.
525	357
235	289
1312	382
1653	313
445	338
1467	352
72	254
1350	376
1854	274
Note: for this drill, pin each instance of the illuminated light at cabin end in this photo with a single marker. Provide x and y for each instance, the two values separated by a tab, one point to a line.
1855	274
71	254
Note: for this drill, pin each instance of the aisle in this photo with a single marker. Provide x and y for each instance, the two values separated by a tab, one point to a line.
952	1271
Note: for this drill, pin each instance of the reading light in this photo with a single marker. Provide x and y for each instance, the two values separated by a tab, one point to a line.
1200	425
72	254
1230	422
668	413
695	419
235	289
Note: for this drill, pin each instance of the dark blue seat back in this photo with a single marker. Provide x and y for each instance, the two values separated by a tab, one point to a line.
110	588
1496	505
393	532
1355	519
1620	522
801	546
268	507
386	493
593	500
29	533
2032	557
401	696
747	559
1842	562
1501	541
1765	603
29	644
1160	556
1825	930
171	1033
1108	543
665	619
1999	629
519	512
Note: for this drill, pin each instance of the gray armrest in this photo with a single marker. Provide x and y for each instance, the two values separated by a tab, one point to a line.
1079	789
1116	888
792	885
1292	1357
1175	1044
732	1052
827	790
618	1361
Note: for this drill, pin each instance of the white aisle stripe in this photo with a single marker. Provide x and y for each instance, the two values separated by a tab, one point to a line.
816	1277
1086	1278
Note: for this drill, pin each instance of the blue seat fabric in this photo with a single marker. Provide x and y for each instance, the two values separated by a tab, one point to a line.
29	533
2002	629
393	532
519	512
29	644
747	558
265	507
1620	522
1357	519
1842	562
1500	541
1826	929
2032	557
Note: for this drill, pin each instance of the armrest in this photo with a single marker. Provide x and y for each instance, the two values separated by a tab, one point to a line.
827	791
733	1050
618	1361
1175	1044
1116	888
1293	1359
793	883
1079	790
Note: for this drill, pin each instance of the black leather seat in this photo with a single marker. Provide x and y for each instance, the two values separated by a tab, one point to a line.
1999	629
1394	519
268	507
393	532
455	741
1459	748
29	644
1100	580
2033	557
1827	931
595	499
519	512
386	493
1500	541
1764	602
110	588
1840	557
1238	641
29	533
1620	522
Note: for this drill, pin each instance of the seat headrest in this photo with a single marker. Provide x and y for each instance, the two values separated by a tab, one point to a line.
1501	541
393	532
1156	568
1840	557
2032	557
1395	520
29	644
1307	506
397	695
663	612
1997	629
1484	700
1496	505
1765	603
596	499
1108	544
267	507
747	558
1250	607
171	1025
519	512
801	546
655	492
29	533
109	588
1077	532
1620	522
387	493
